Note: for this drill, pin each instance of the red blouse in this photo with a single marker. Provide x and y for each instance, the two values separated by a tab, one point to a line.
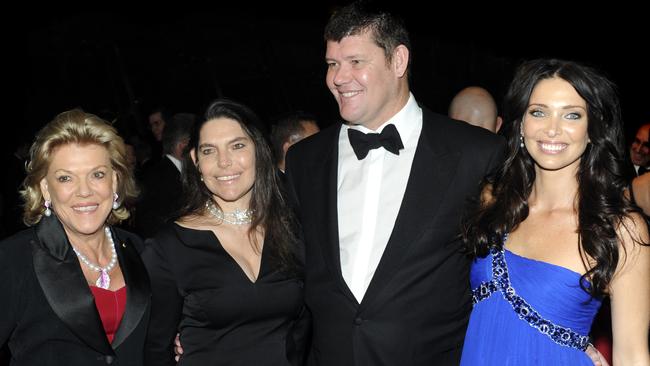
111	305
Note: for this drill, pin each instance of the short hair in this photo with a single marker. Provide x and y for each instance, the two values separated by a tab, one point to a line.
288	126
388	31
75	127
164	113
176	130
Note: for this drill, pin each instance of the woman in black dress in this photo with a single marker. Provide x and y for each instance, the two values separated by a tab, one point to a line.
226	273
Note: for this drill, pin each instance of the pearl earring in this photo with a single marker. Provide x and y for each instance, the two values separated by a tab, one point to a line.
116	204
47	205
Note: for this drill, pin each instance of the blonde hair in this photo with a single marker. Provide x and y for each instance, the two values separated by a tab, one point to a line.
75	127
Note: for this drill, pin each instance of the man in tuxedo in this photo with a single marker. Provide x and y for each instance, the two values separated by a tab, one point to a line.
161	186
380	199
640	150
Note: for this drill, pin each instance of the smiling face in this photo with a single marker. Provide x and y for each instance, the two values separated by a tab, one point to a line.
80	182
640	148
368	89
555	125
226	159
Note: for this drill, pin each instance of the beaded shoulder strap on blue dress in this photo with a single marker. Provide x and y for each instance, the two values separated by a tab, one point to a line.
501	281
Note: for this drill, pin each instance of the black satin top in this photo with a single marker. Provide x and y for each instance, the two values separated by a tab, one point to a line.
223	317
47	311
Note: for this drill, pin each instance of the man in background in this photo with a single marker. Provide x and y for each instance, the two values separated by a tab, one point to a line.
640	150
290	129
161	186
476	106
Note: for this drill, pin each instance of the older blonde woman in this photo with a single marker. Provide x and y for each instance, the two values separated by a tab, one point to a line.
74	291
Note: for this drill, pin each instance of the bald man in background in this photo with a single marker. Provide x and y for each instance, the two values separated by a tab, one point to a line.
476	106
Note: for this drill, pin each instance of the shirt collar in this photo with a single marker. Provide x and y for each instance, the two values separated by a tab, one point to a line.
177	163
403	120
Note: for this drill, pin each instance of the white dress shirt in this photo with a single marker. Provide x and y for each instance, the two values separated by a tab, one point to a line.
177	163
369	196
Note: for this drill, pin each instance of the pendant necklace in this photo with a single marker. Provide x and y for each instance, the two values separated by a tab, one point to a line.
104	280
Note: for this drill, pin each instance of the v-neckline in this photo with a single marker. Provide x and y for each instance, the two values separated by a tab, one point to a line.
231	258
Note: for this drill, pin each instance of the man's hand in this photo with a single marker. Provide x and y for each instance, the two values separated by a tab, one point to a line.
591	351
178	349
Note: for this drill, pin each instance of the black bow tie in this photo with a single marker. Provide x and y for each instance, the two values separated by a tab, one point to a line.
362	143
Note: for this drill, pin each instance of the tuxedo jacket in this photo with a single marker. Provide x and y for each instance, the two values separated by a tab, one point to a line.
161	197
416	308
47	311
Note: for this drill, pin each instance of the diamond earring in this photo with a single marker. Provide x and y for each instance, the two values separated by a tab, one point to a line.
116	204
47	205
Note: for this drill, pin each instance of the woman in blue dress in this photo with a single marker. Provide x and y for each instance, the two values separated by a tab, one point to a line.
555	231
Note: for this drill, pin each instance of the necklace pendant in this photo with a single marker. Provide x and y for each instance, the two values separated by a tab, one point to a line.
104	281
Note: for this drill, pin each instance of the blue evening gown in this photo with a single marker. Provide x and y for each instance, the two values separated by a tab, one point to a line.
527	312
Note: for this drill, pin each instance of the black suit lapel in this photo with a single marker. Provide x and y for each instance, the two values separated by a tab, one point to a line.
324	181
430	178
138	291
64	285
173	176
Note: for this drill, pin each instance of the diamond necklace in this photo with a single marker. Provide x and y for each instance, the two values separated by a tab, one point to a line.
237	217
104	280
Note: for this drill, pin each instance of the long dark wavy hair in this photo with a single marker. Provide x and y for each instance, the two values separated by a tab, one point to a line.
271	211
602	205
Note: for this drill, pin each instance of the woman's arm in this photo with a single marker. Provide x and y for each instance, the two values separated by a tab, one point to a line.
630	295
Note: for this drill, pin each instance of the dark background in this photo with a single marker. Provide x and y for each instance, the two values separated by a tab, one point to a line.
119	64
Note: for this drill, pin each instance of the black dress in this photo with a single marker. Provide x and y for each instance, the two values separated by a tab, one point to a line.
223	317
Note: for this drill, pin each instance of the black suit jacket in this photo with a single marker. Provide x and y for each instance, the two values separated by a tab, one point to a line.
48	312
416	308
161	198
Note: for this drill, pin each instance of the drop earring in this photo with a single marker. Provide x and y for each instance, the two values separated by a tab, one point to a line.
116	204
47	205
